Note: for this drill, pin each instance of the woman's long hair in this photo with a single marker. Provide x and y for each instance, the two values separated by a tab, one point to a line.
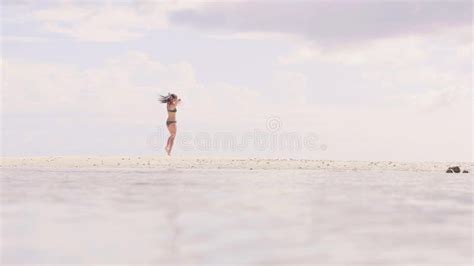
167	98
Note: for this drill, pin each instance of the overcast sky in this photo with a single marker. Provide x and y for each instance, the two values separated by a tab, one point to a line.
351	80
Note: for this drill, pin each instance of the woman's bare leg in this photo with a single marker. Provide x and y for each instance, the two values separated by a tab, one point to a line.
167	148
169	145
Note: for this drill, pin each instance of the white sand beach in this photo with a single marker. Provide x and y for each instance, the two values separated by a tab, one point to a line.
224	163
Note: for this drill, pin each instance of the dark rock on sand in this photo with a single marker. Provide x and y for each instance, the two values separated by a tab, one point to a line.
465	172
454	169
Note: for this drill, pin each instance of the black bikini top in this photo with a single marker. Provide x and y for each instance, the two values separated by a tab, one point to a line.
172	111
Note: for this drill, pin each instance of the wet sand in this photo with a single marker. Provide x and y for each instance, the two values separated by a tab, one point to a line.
169	216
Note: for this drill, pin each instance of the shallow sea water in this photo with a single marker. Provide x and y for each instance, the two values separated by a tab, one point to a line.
235	217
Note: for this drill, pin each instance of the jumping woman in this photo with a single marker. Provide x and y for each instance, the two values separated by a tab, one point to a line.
171	101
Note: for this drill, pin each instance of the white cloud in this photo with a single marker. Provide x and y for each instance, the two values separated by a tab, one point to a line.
413	65
334	23
394	51
118	88
109	22
289	88
439	98
254	36
22	39
124	89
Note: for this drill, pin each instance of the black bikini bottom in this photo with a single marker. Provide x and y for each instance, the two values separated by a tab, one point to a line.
170	122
